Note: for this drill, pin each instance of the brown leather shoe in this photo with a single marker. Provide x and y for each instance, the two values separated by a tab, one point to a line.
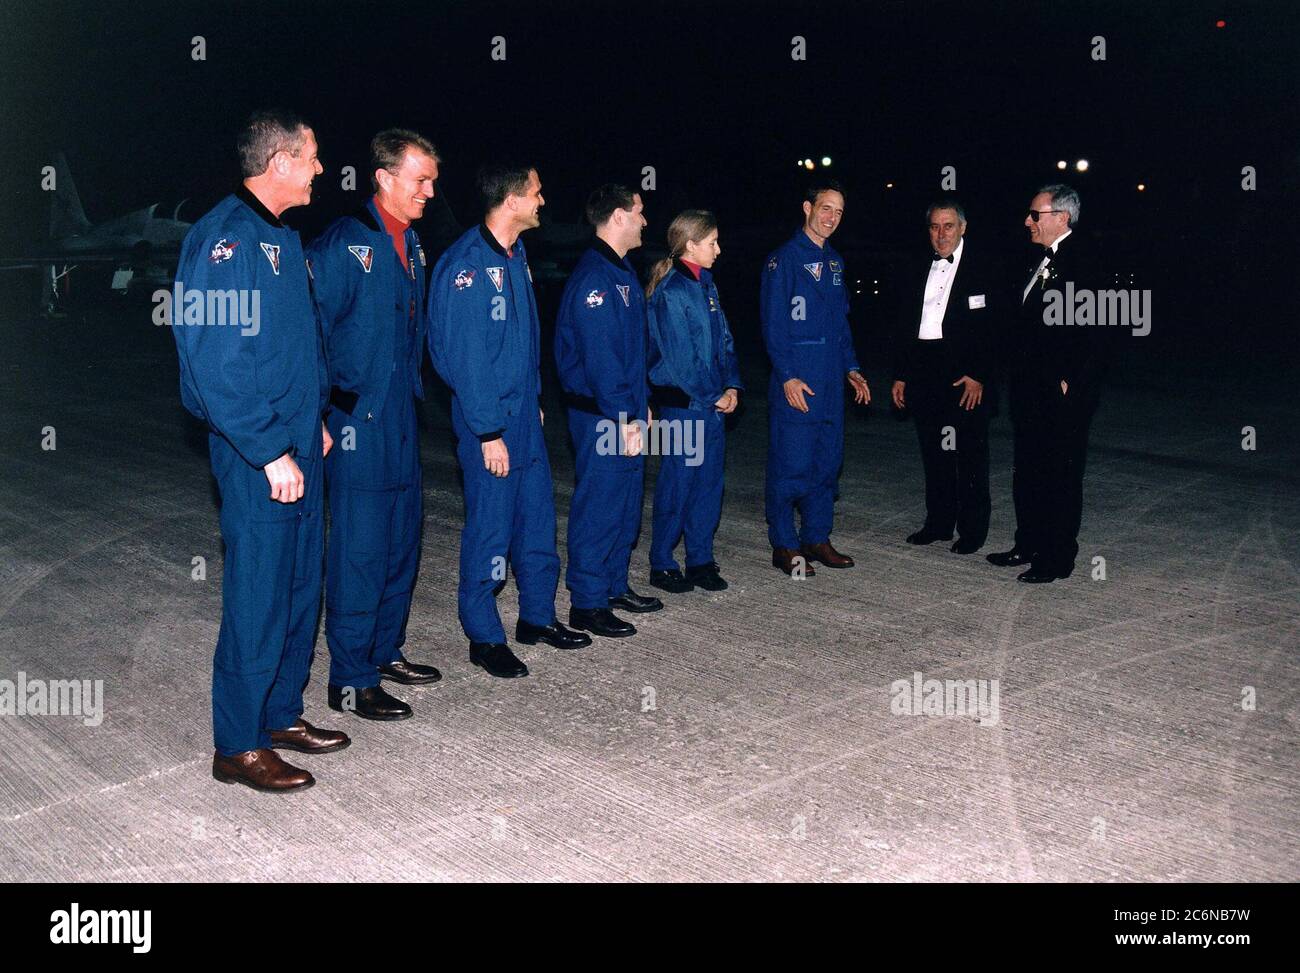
262	770
826	554
784	559
305	738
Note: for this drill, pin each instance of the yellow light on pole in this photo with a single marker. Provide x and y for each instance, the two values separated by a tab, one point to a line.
826	160
1082	165
808	164
1142	187
1060	164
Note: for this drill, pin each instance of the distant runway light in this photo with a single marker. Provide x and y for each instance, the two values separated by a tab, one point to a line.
826	160
1220	24
1061	164
1082	165
889	185
1142	187
808	163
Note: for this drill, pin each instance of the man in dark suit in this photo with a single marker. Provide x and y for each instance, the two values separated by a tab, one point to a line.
942	355
1056	367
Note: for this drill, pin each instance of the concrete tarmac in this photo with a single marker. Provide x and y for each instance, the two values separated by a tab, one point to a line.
1145	725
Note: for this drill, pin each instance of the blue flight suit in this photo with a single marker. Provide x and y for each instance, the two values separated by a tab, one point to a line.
600	355
484	338
261	385
692	363
804	304
373	320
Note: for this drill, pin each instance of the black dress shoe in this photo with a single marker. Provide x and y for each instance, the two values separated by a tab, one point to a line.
1010	559
409	673
706	576
601	621
672	581
497	659
371	703
1038	576
553	634
924	536
964	546
632	602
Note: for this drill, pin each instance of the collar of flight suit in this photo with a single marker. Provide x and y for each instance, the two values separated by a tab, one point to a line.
252	202
491	240
609	253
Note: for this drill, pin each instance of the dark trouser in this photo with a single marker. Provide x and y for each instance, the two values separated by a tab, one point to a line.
508	520
270	600
803	464
1051	448
376	512
688	491
955	453
605	513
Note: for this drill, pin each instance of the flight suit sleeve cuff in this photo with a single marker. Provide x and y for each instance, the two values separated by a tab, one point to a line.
489	437
290	449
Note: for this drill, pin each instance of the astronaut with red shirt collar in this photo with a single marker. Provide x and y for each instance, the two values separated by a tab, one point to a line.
369	273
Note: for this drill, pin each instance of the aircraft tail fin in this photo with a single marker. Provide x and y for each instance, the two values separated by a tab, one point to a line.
67	217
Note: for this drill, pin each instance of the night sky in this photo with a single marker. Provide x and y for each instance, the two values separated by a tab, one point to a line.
710	96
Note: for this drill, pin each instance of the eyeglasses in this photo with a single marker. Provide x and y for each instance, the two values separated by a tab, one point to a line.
1036	214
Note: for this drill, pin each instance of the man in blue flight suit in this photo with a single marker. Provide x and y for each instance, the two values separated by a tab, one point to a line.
600	349
484	338
259	381
369	273
804	304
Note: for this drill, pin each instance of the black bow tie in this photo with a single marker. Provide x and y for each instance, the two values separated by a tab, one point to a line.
937	258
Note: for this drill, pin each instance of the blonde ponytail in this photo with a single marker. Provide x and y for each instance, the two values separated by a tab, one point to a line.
691	225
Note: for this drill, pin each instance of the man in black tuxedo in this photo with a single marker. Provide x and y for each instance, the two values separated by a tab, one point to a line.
1056	369
942	355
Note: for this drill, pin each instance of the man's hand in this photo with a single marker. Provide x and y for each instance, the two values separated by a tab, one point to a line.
326	440
861	392
897	394
973	393
631	439
727	404
795	390
541	414
1064	388
496	458
285	479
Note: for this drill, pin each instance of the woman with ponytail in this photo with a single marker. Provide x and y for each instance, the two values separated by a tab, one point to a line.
694	385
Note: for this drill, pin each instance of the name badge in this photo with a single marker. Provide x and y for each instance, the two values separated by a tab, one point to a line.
974	301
